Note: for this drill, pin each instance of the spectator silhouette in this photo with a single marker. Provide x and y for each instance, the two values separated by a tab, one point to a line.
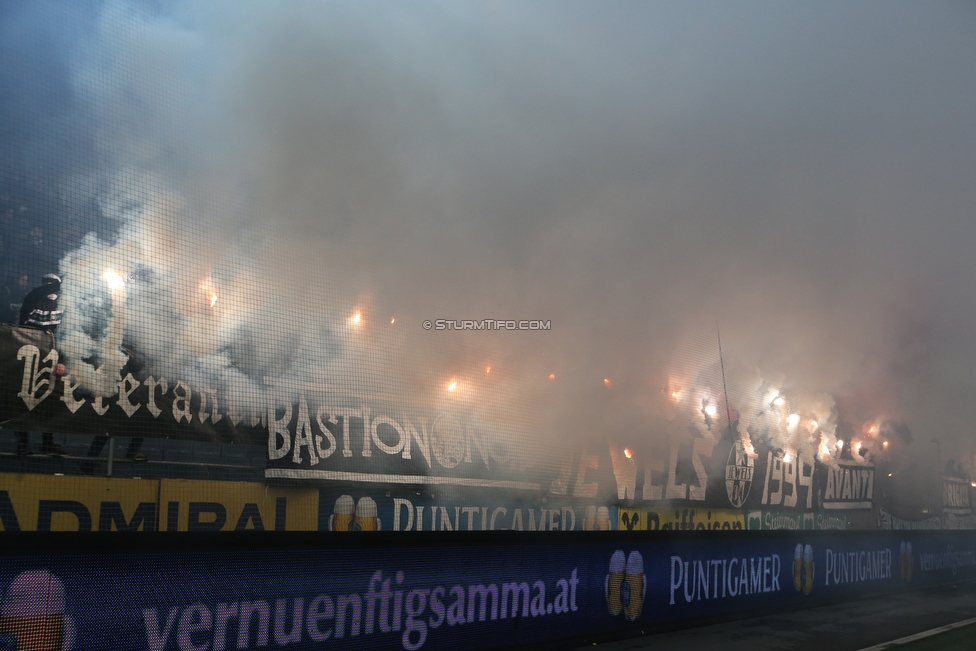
41	309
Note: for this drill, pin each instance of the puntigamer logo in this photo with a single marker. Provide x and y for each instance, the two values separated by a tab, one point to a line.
389	606
625	586
803	569
350	515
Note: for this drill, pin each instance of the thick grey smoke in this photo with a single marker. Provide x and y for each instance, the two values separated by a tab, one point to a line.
630	172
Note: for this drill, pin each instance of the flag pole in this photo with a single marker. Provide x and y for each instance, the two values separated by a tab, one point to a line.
725	389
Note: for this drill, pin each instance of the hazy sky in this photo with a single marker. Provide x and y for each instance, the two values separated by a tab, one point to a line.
804	172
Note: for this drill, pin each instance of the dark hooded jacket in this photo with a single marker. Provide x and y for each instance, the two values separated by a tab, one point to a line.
40	308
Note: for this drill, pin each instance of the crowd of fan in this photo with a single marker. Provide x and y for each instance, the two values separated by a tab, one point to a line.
38	225
30	209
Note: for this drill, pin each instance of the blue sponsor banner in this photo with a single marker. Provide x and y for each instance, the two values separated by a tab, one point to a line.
437	593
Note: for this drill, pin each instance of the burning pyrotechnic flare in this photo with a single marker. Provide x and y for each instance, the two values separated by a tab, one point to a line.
452	386
552	376
711	410
628	453
116	324
606	381
750	450
114	279
356	318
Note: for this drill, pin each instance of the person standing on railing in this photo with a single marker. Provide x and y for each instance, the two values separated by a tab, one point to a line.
41	309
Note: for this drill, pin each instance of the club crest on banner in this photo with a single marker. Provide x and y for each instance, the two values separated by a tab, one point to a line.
738	475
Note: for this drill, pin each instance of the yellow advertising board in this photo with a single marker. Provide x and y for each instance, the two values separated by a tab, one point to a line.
193	505
679	518
631	519
58	503
694	518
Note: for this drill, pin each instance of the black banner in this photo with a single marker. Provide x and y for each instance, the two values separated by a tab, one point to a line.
311	433
34	398
688	469
319	435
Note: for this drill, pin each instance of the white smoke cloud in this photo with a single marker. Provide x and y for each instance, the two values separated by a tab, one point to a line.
626	173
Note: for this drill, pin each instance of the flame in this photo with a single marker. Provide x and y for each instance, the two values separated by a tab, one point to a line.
357	318
392	320
787	457
824	448
452	386
792	420
779	401
213	299
552	376
675	394
606	382
488	370
628	453
711	410
114	279
814	424
840	443
885	445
